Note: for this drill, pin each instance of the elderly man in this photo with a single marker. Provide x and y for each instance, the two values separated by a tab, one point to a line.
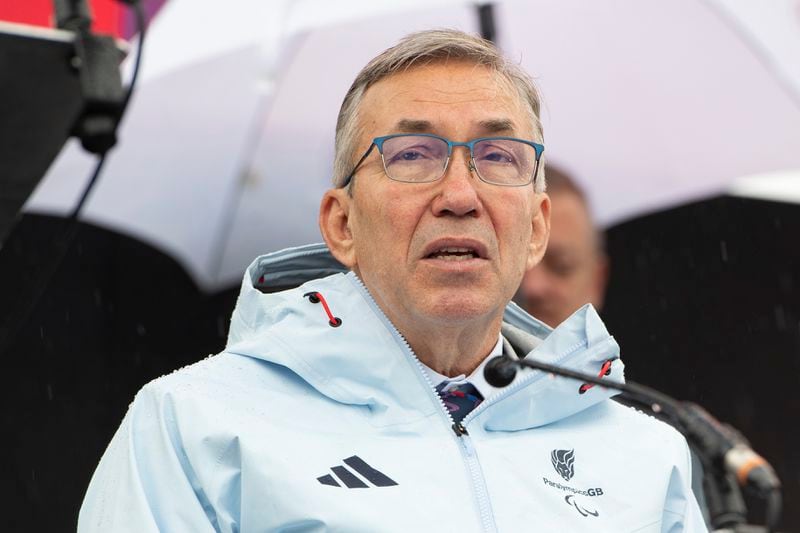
368	376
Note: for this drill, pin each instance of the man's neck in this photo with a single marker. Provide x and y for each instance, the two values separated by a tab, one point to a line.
476	378
452	351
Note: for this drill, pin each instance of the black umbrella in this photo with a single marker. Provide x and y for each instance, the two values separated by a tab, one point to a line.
115	315
705	302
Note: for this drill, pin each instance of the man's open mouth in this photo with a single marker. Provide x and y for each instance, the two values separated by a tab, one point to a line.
454	254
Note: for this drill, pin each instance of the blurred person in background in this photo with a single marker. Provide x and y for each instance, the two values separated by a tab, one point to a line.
575	267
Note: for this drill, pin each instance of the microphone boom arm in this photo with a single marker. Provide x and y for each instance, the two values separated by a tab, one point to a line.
723	448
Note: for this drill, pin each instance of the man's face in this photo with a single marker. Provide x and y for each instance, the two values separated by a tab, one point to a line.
573	271
451	250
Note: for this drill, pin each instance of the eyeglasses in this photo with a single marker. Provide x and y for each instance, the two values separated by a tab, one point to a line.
423	158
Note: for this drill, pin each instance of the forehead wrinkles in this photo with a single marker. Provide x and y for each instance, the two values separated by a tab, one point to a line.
449	90
443	83
435	85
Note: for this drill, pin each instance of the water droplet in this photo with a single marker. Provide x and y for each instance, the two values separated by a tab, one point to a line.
780	318
786	282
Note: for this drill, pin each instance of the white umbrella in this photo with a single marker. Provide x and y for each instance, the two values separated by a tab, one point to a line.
232	113
228	147
652	103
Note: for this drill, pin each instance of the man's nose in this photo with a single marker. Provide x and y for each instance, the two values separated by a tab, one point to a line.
458	194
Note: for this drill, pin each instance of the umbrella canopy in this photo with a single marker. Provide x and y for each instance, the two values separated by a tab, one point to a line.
219	125
228	147
654	103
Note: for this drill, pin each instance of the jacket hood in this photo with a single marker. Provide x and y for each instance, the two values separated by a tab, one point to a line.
365	361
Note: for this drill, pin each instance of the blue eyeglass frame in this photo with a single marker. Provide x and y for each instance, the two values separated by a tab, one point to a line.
378	142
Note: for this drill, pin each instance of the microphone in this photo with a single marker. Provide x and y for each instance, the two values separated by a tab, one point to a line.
500	371
722	445
729	450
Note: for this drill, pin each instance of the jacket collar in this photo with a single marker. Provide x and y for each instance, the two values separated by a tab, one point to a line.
366	362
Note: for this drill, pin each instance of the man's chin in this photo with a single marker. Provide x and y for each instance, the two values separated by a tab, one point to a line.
457	305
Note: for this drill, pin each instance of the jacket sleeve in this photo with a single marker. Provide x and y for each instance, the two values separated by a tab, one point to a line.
145	482
682	513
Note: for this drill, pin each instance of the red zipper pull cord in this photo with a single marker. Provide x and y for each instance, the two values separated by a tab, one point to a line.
315	298
604	371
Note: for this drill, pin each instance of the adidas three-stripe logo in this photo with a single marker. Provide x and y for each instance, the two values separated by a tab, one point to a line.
351	481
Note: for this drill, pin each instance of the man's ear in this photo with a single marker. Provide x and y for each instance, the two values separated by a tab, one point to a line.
540	229
334	223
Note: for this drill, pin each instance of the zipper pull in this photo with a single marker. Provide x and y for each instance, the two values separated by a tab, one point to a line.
459	430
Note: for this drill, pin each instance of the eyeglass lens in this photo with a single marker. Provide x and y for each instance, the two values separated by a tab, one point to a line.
418	158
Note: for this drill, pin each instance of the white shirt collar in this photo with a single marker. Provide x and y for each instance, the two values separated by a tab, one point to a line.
476	378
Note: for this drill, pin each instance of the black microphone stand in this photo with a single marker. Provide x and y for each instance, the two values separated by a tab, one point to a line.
728	512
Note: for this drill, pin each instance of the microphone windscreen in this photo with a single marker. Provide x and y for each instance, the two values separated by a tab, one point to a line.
500	371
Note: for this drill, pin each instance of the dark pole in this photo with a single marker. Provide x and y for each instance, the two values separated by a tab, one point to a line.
486	21
73	15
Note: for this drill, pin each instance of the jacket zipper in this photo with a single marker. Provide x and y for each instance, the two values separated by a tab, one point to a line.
478	481
460	431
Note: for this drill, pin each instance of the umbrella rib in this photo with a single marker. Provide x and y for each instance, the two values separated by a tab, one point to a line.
231	204
759	51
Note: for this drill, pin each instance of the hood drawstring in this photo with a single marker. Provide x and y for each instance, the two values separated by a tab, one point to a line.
604	371
315	298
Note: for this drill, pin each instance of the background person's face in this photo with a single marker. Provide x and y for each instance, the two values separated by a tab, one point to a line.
573	271
454	249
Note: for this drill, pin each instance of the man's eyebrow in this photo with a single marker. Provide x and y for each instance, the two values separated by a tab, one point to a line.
500	125
407	125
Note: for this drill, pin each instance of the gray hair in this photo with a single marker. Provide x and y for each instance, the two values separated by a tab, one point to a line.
423	48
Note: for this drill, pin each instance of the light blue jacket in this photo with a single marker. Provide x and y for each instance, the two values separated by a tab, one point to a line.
302	426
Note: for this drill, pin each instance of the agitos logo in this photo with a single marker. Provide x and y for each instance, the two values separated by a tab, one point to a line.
570	499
